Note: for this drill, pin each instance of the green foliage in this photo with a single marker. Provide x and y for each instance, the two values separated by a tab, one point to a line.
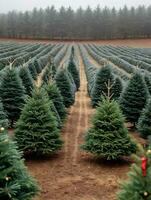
117	89
138	186
15	182
65	87
148	82
27	79
55	114
49	73
55	96
12	94
36	131
74	72
37	66
103	76
134	98
144	123
108	137
32	70
3	117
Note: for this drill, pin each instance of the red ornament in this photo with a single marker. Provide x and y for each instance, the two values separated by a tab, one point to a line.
144	166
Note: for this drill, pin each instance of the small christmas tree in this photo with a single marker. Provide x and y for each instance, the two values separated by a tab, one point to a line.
74	72
144	123
138	187
37	66
117	88
27	79
36	131
65	87
108	137
32	70
49	74
3	117
15	182
134	98
12	94
102	77
55	96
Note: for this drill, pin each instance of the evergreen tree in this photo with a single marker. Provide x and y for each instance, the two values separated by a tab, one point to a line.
65	87
103	76
15	182
138	186
108	137
117	88
49	74
12	94
55	96
56	115
74	72
3	117
144	122
27	79
32	70
134	98
148	82
36	131
37	66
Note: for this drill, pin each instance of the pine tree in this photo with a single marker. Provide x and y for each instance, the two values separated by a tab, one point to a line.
108	137
32	70
15	182
36	131
117	88
37	66
74	72
27	79
49	74
103	75
148	82
65	87
3	117
12	94
144	122
134	98
55	96
138	186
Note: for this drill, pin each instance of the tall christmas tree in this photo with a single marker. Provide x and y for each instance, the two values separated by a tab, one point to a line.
65	87
15	182
27	79
12	94
55	96
3	117
138	187
117	88
144	123
108	137
36	131
134	98
103	76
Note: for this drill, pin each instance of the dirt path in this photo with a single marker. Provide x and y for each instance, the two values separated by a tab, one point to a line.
73	174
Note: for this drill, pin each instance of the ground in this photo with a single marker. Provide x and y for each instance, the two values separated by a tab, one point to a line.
73	174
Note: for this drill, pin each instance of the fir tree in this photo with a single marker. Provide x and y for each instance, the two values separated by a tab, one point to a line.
138	186
36	131
108	137
32	70
134	98
55	96
27	79
65	87
56	115
49	74
12	94
15	182
37	66
102	77
74	72
3	117
144	123
117	88
148	82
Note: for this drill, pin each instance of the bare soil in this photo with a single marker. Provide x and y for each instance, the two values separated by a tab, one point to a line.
73	174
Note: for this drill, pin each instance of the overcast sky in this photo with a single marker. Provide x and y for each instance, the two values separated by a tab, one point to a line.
22	5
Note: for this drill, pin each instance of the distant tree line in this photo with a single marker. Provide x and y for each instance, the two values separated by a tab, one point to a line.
66	23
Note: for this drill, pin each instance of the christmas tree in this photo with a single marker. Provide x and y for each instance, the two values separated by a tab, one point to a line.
37	66
36	131
49	74
138	187
144	123
32	70
117	88
27	79
108	137
103	76
148	82
134	98
55	96
65	87
15	182
3	117
12	94
74	72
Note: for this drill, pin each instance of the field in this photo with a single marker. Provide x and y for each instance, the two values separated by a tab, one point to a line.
72	174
